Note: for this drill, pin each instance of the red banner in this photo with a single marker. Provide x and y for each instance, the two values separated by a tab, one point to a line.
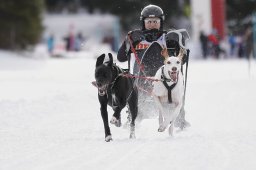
218	16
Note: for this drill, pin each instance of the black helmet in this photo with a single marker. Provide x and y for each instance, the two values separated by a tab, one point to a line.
152	11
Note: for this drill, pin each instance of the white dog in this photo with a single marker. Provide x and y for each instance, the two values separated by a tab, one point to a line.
168	93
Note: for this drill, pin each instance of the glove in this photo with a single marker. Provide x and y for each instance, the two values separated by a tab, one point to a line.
152	35
135	36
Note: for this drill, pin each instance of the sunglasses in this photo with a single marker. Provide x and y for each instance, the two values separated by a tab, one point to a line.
152	21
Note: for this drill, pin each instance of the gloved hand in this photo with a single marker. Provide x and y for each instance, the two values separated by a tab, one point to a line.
153	34
135	37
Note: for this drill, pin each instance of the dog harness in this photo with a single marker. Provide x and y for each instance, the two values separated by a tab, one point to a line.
119	71
169	88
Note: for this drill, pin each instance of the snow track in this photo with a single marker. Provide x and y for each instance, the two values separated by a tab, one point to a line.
50	120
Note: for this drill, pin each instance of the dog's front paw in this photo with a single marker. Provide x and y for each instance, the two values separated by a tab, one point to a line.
182	124
113	120
108	138
116	122
132	132
161	128
132	136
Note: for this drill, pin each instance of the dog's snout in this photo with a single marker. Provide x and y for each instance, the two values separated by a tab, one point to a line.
174	69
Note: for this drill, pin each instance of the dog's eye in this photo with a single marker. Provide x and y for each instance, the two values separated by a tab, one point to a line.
178	62
168	62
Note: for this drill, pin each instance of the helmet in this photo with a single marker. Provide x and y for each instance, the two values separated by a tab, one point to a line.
152	11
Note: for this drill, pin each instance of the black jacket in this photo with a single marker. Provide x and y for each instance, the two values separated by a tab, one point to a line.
136	36
122	55
151	60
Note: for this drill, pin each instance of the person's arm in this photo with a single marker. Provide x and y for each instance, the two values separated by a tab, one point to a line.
124	51
122	55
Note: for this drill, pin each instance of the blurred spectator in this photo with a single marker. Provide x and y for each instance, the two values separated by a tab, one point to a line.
248	39
204	44
240	46
214	44
78	41
50	44
232	43
70	41
109	40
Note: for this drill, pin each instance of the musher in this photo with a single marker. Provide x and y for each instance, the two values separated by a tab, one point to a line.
152	21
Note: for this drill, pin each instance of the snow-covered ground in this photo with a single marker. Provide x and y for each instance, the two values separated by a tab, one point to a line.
50	120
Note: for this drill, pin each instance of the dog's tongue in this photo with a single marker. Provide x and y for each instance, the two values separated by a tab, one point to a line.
173	76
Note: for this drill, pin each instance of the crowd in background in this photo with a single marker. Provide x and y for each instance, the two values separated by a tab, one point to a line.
72	42
235	45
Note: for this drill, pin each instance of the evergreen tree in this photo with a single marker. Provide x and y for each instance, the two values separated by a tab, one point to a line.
20	23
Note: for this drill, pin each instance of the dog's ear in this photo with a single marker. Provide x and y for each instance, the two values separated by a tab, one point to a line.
100	60
181	53
164	53
110	59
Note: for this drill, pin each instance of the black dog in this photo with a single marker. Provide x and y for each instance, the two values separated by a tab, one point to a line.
116	91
